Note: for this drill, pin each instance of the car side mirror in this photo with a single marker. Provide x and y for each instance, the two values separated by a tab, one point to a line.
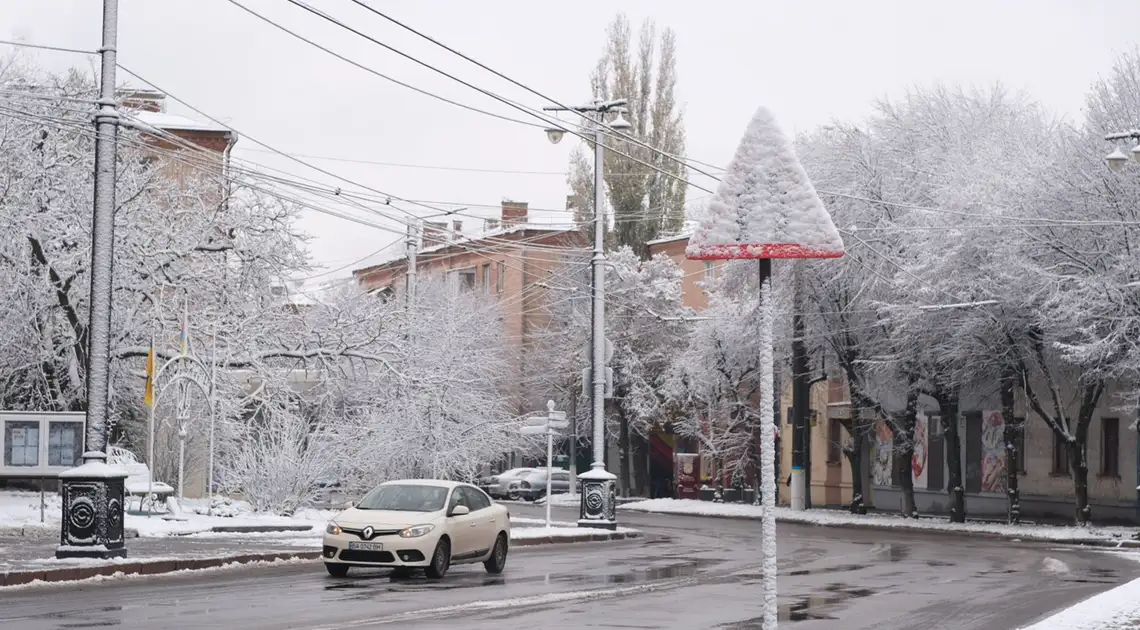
459	510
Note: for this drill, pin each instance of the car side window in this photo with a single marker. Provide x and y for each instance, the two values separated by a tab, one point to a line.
457	498
562	476
476	500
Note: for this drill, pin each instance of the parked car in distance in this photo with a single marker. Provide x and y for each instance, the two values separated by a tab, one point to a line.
499	486
534	485
419	524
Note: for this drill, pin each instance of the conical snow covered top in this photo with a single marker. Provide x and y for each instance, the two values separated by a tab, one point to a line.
765	206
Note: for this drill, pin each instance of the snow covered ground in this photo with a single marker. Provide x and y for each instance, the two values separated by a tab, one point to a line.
1116	609
22	509
837	518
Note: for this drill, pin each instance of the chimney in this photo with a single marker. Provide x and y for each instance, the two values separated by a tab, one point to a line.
143	100
456	229
514	213
435	233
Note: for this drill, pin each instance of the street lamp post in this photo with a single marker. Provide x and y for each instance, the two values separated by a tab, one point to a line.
1118	158
597	507
93	493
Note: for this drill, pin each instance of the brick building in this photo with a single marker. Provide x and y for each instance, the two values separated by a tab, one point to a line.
512	260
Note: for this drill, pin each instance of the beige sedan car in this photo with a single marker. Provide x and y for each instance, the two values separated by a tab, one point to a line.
422	523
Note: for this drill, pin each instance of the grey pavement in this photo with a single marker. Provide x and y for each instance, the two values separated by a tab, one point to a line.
689	573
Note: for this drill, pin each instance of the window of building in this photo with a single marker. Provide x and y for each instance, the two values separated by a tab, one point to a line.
1060	455
65	443
466	278
502	279
485	279
712	270
834	440
21	443
1019	442
1110	447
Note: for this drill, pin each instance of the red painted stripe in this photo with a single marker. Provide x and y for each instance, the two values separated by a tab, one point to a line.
756	251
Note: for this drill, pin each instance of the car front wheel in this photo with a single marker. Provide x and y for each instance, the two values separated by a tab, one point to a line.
498	560
336	570
513	495
440	560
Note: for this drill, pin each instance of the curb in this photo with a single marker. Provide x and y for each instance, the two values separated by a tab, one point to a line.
575	538
1087	542
156	567
43	530
143	567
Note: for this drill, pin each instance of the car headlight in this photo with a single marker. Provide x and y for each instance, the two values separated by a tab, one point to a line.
333	529
415	531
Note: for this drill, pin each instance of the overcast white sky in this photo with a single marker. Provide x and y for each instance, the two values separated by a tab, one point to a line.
810	61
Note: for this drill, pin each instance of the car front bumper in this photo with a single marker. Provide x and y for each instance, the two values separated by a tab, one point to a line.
396	552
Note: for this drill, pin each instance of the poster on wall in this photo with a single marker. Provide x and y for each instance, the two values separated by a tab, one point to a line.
993	452
685	475
919	458
881	462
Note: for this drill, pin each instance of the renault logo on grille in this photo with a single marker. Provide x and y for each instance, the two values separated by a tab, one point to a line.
367	533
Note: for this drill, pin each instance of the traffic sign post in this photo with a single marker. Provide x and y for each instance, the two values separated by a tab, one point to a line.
549	424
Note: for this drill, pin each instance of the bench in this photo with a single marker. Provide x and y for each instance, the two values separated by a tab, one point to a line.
138	483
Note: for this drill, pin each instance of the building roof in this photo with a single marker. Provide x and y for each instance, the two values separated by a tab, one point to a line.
163	120
522	227
683	236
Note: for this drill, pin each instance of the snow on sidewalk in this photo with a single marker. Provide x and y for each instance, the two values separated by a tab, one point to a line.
19	509
840	519
1115	609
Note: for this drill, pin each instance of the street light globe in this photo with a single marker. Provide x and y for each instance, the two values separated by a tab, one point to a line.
1135	153
1116	160
554	135
620	123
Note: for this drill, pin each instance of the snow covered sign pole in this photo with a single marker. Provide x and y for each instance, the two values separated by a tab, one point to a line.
92	523
765	208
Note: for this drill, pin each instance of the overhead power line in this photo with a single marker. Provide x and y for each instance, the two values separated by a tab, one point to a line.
377	73
42	47
423	166
611	129
547	120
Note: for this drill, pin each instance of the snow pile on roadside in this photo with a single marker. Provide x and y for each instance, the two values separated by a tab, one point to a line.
561	500
836	518
21	508
1116	609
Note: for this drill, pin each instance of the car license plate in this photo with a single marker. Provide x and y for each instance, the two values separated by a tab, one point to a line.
366	546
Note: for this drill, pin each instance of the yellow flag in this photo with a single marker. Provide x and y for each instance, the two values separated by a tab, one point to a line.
149	399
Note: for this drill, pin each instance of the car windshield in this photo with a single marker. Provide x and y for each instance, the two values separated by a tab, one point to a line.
405	498
515	472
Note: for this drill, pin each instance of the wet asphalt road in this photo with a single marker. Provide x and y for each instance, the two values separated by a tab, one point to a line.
690	573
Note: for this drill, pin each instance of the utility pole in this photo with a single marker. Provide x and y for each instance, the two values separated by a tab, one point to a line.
412	246
801	395
598	505
92	523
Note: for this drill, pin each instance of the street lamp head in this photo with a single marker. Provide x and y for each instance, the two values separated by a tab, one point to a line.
1135	153
1116	160
555	134
620	123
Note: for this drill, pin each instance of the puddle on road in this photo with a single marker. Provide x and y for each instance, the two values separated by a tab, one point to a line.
369	585
810	608
939	563
686	568
897	553
842	568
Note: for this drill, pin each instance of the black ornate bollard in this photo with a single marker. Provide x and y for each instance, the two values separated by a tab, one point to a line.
598	507
92	524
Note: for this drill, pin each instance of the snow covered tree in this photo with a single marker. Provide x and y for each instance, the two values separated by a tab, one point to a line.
645	202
